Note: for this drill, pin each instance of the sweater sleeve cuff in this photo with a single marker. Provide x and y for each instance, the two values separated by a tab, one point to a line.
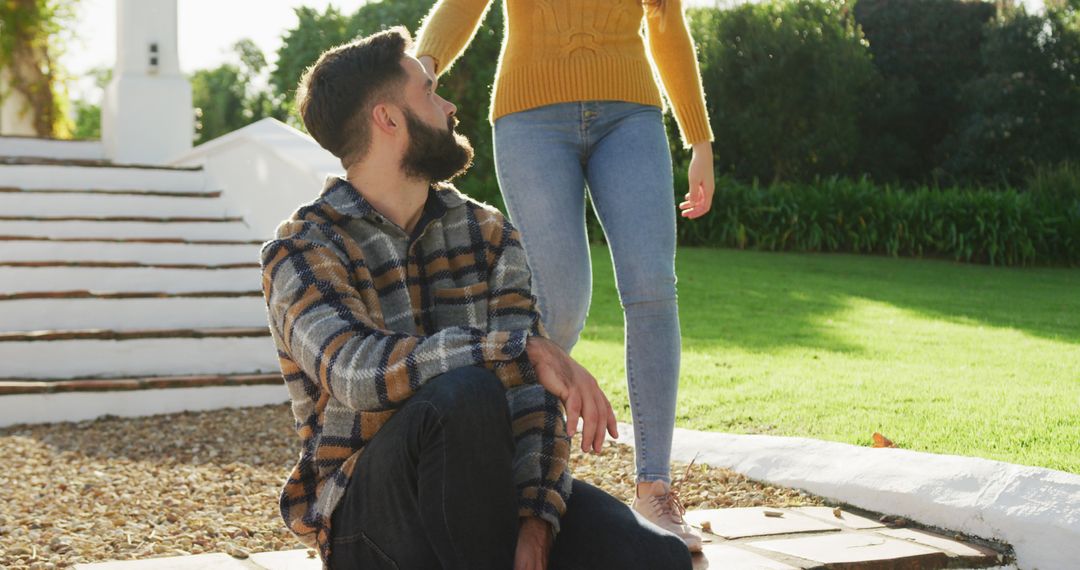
531	504
693	124
500	346
440	51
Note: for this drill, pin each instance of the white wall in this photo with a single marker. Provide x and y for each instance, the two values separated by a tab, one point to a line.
147	115
265	171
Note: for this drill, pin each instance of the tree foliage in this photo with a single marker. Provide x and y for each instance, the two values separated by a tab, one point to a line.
31	40
925	51
784	83
467	85
1025	109
228	97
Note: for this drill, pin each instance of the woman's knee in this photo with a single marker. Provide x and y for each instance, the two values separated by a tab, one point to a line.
641	288
565	331
563	313
645	279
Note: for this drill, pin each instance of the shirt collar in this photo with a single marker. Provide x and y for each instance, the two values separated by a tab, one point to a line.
345	199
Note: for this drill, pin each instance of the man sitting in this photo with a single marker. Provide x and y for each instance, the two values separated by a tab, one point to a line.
428	401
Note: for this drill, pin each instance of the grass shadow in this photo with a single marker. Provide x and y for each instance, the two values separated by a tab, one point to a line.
761	301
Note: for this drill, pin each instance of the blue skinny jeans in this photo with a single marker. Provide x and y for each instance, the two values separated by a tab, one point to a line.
546	159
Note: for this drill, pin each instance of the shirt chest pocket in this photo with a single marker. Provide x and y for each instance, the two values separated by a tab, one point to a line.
461	307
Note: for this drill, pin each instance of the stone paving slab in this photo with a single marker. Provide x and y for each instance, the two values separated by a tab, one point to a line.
857	550
724	557
755	521
951	547
802	538
287	560
216	561
846	519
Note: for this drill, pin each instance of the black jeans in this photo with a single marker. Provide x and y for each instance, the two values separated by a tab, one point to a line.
434	489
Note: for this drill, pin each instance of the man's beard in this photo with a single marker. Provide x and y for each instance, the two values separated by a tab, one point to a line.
435	155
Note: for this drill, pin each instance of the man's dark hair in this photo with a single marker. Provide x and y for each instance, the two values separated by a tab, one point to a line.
335	94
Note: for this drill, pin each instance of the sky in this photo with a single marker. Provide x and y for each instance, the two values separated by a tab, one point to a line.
207	31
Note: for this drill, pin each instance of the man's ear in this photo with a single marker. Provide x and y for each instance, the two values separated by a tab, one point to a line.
387	118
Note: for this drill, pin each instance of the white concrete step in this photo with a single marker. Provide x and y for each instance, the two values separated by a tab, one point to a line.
132	313
30	203
47	148
58	176
83	404
26	279
45	250
144	357
232	230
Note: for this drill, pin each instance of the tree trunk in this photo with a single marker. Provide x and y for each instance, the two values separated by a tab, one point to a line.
29	75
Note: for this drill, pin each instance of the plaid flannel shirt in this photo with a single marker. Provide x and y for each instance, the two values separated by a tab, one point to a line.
363	314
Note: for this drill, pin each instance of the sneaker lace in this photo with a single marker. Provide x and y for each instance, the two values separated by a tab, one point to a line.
669	504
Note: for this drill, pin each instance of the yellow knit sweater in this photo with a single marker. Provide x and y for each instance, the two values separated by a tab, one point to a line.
557	51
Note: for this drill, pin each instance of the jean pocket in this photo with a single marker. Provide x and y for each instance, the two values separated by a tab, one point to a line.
357	550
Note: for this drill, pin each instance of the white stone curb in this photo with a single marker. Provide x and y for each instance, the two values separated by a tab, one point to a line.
1035	510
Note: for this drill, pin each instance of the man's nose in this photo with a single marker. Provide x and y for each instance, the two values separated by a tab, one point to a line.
451	109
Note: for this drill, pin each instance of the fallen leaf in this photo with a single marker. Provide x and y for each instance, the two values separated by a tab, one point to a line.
882	441
837	513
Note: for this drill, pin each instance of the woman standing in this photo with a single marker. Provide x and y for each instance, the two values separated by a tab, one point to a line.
576	106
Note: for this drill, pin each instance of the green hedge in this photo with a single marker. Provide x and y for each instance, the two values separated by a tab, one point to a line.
925	51
1024	110
785	82
999	227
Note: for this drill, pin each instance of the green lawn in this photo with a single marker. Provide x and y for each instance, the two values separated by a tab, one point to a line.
938	356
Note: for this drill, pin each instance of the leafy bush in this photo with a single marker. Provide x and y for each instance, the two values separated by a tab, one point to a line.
1025	110
784	83
925	51
839	215
223	97
467	85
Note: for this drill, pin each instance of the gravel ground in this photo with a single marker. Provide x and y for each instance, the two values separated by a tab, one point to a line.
123	488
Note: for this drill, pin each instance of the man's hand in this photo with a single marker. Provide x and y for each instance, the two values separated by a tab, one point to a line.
533	545
577	389
702	182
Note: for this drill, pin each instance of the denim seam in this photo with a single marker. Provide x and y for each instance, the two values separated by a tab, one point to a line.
446	519
363	537
641	445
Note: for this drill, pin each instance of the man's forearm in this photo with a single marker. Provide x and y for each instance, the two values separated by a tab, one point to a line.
329	334
541	453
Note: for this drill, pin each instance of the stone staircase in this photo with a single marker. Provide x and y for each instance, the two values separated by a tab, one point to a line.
124	290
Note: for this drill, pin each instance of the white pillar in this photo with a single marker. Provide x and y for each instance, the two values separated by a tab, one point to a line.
16	116
147	114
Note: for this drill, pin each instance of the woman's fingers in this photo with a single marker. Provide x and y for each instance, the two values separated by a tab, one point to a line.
698	201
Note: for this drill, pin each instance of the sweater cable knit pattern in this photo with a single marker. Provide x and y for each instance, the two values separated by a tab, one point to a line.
559	51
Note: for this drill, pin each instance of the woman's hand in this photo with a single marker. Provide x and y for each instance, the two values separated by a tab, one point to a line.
698	199
533	545
429	64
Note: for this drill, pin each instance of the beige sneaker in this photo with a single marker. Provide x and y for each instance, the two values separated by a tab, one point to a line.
662	508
